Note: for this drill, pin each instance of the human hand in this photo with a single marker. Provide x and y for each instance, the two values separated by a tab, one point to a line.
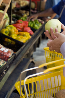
52	36
35	16
57	42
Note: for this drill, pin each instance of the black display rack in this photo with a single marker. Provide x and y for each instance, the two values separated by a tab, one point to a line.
20	61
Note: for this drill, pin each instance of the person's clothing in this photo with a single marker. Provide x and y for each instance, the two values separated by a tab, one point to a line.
62	50
57	9
50	4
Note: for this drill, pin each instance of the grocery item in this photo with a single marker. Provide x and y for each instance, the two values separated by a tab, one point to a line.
5	17
5	31
27	29
2	62
23	23
24	33
12	29
34	24
23	18
53	23
18	25
32	5
22	38
5	53
23	3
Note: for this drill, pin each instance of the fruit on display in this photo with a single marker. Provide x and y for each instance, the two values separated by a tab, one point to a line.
53	23
22	38
23	26
12	29
15	17
5	31
23	18
33	5
26	34
27	29
41	21
5	53
12	32
34	24
23	2
20	24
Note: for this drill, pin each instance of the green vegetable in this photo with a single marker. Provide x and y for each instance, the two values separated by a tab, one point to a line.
5	17
23	18
16	16
34	24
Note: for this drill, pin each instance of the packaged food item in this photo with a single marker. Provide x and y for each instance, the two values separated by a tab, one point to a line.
2	62
5	53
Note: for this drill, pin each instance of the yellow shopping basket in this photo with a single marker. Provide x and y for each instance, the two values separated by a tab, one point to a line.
52	56
45	85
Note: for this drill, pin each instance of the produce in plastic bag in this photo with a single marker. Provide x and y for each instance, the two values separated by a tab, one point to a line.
5	53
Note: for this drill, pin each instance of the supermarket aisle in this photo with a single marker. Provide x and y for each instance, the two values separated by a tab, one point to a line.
38	55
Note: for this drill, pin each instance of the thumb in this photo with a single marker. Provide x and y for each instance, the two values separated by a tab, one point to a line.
57	34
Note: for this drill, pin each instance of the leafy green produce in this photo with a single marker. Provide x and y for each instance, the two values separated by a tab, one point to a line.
5	17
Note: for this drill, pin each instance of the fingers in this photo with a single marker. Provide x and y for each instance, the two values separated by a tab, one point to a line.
52	34
57	34
30	17
50	48
50	42
48	35
63	32
56	30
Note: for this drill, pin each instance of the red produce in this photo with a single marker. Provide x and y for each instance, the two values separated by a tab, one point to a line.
5	53
19	21
31	32
19	29
19	26
28	29
25	23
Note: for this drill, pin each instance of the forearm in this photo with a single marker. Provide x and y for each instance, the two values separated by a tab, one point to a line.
53	15
46	13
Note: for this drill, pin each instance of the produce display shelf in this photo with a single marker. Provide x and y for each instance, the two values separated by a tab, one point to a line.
19	57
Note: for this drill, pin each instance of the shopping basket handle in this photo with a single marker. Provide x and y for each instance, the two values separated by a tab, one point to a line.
53	68
45	64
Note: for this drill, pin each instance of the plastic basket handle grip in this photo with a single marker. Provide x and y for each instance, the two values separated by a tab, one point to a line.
45	64
53	68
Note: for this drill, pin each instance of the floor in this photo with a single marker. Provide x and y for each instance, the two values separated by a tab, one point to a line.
39	54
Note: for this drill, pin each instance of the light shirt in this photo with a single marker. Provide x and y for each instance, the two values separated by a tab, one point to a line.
62	50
